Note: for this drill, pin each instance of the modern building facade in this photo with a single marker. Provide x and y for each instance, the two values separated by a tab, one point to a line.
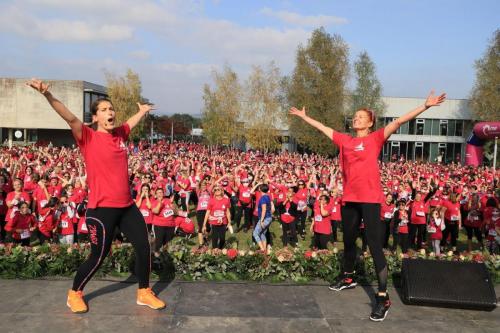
439	131
25	115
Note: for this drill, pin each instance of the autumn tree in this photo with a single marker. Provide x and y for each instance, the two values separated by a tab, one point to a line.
485	96
124	92
319	83
263	109
222	108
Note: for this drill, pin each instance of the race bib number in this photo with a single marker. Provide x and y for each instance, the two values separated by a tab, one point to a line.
388	215
43	203
204	204
168	213
454	218
1	202
334	210
218	213
64	224
25	234
403	223
84	226
431	230
145	213
492	232
280	196
475	218
420	213
301	205
245	194
318	218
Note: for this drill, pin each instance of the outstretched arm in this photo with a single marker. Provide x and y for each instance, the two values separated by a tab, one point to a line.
314	123
136	118
429	102
74	123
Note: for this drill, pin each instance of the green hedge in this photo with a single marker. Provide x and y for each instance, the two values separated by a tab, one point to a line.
186	263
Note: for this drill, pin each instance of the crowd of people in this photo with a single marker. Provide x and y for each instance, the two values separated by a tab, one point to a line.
185	189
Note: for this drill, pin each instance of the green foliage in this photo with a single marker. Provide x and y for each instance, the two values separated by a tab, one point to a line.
319	83
368	90
485	95
222	108
205	264
124	92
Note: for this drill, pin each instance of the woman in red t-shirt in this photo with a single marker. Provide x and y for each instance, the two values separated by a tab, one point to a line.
363	191
22	224
218	216
287	218
110	203
143	202
452	221
320	225
473	221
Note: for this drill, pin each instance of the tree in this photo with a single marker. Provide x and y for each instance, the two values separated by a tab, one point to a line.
368	90
124	93
263	112
485	96
222	108
319	82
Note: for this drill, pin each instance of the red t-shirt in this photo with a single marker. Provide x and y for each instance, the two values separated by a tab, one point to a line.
203	199
335	204
218	210
452	212
106	163
185	224
403	222
360	169
11	199
23	222
244	194
165	218
145	211
286	217
322	223
66	222
418	210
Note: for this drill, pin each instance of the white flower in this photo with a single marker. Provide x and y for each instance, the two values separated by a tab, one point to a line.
251	253
450	253
314	254
335	250
224	251
422	252
432	254
281	258
241	252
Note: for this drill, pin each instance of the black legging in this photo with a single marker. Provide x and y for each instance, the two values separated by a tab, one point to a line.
163	235
321	241
451	228
301	222
244	211
218	236
334	236
101	223
418	230
474	231
387	231
289	233
352	213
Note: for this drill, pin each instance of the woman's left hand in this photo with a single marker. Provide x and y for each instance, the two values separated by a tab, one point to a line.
434	100
145	107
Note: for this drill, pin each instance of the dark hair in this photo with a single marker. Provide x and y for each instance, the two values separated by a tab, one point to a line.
20	204
491	202
53	201
326	197
264	188
95	104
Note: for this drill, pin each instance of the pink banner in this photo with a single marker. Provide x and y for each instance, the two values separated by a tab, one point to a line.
487	130
473	155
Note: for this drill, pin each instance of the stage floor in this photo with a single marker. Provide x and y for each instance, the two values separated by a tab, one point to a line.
40	306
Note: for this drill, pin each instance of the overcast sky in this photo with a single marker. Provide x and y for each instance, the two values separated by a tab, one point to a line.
174	45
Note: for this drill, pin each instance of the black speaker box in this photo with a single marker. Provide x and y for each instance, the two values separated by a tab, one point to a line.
452	284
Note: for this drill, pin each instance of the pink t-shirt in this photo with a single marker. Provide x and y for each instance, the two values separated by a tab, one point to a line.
359	159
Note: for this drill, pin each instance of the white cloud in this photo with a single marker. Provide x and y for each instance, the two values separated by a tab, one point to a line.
193	69
140	55
15	20
304	20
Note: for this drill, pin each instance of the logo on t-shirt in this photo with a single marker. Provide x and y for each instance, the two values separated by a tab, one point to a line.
359	147
122	145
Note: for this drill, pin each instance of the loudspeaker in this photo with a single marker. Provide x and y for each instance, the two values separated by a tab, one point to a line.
453	284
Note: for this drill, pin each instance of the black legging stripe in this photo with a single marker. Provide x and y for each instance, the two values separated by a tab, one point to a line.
352	213
101	223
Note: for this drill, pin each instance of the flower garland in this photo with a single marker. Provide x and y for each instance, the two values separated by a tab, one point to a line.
182	262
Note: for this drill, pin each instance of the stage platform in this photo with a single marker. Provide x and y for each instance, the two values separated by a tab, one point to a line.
40	306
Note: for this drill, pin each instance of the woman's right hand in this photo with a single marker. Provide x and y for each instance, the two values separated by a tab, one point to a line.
38	85
296	112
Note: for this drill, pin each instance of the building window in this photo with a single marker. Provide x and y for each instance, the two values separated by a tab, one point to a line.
443	127
459	128
419	151
411	127
394	150
420	126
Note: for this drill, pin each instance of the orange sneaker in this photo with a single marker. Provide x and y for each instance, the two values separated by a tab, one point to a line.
75	302
145	296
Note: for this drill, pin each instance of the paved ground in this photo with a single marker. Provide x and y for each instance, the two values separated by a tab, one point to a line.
40	306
